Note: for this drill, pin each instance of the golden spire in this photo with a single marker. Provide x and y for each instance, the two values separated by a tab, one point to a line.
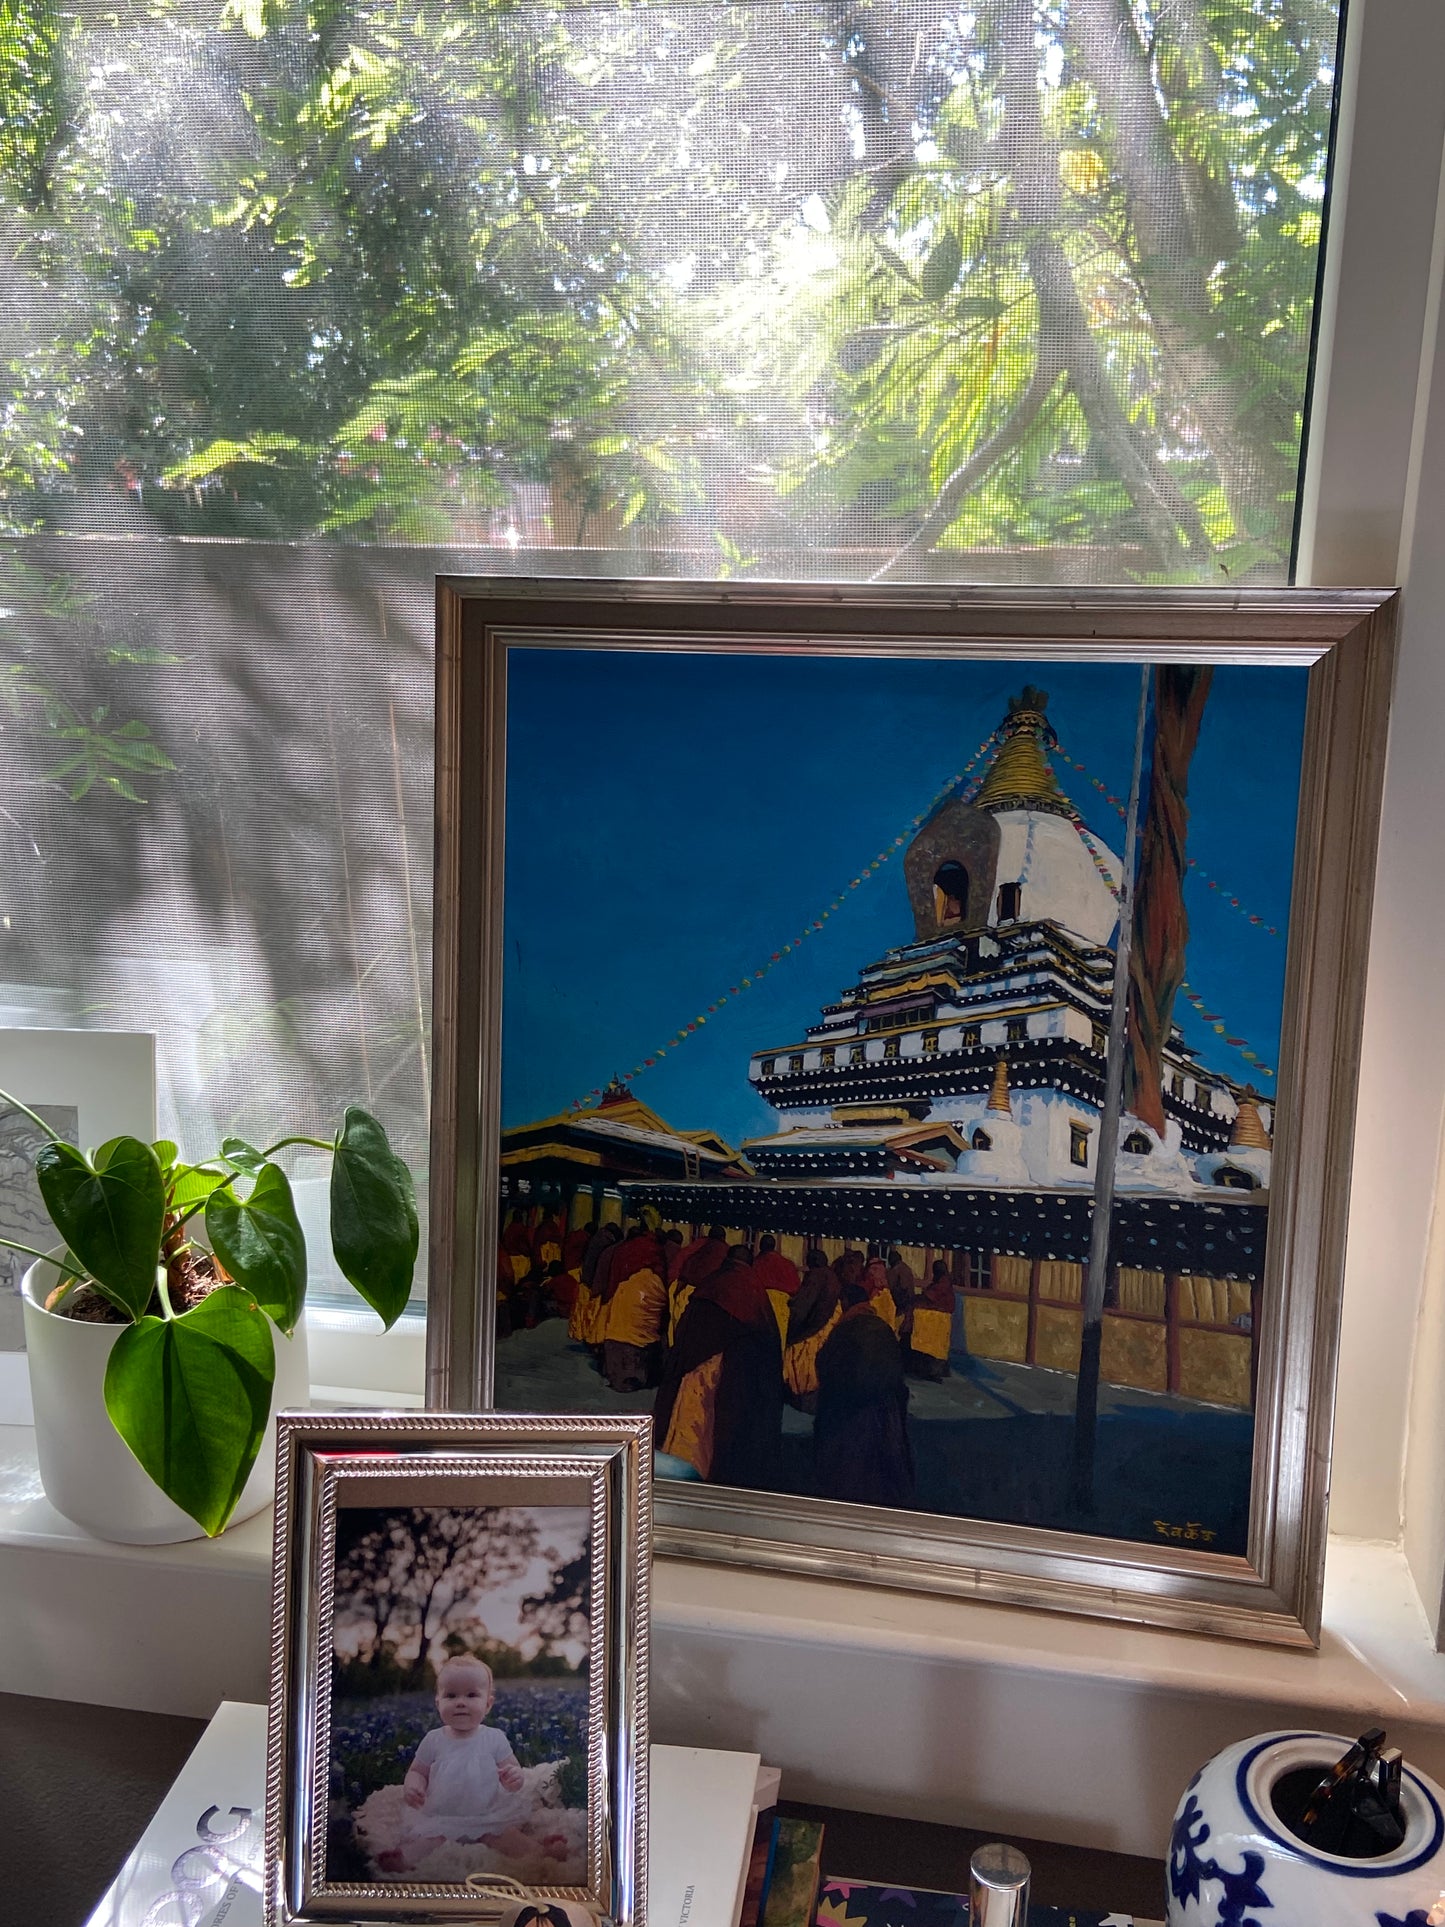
1249	1133
998	1097
1020	776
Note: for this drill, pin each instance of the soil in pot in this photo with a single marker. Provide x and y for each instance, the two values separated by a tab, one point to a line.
191	1275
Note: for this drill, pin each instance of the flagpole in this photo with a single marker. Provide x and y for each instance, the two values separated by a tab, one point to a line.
1086	1405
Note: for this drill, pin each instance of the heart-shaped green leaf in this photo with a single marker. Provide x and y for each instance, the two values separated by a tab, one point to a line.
109	1212
244	1156
259	1241
373	1215
193	1184
191	1395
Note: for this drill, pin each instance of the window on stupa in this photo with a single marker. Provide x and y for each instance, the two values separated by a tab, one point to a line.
981	1140
1078	1144
1137	1144
1233	1179
950	893
1009	895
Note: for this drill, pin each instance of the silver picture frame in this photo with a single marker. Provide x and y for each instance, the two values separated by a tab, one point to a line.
1345	640
388	1464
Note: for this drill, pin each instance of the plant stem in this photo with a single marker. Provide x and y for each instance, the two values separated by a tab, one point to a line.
49	1130
11	1244
164	1295
317	1143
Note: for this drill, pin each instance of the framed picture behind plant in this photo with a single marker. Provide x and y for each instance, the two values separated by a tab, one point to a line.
906	1040
90	1085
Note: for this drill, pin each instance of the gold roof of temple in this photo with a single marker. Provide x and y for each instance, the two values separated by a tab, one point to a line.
1021	776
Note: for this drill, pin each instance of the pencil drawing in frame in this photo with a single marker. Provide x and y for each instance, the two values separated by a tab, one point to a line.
458	1714
906	1040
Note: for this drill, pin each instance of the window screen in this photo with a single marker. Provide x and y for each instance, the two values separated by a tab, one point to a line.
299	308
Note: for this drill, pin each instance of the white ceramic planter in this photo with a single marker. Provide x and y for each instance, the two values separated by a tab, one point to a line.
1233	1861
88	1471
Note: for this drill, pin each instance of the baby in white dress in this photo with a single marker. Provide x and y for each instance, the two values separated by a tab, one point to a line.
464	1782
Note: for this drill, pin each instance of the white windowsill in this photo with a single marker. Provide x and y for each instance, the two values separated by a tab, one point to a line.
972	1714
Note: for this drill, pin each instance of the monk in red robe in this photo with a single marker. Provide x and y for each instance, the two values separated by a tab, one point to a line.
517	1243
694	1262
930	1326
720	1405
880	1297
779	1278
861	1450
635	1324
589	1312
813	1311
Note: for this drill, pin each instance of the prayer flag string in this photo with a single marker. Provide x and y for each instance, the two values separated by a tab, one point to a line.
756	975
1215	1022
1211	883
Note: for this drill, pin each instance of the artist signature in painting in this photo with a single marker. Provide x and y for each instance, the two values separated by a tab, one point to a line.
1192	1531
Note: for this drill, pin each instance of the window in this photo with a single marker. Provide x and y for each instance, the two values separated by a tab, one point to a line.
290	390
950	893
795	1062
1008	901
1079	1144
969	1036
981	1140
891	1047
1233	1179
930	1043
1100	1041
766	1067
1137	1145
1016	1030
1176	1085
828	1057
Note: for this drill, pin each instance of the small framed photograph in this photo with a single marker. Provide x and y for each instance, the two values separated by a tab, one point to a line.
458	1718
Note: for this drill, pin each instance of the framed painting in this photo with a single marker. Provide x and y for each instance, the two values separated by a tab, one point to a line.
458	1718
906	1041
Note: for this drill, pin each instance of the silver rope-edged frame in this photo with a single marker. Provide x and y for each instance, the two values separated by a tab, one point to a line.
456	1459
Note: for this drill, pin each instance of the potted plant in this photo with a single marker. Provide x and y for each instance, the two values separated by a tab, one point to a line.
138	1328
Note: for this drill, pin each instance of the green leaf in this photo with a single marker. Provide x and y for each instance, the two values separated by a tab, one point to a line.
259	1240
940	270
193	1184
245	1157
191	1395
109	1212
373	1215
166	1152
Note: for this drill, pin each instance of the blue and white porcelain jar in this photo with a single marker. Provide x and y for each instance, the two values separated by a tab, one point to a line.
1234	1863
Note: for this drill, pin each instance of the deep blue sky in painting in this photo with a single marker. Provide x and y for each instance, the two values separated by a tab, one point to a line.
673	820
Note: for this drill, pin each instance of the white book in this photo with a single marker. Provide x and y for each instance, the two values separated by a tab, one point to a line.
198	1863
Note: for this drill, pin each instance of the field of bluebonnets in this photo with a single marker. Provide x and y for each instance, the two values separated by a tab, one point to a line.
372	1740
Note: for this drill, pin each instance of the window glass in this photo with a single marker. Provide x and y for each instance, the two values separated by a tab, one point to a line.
302	306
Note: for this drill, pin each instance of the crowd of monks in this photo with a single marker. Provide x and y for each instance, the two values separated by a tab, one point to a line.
729	1334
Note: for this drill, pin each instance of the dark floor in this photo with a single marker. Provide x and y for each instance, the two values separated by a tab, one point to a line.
79	1783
